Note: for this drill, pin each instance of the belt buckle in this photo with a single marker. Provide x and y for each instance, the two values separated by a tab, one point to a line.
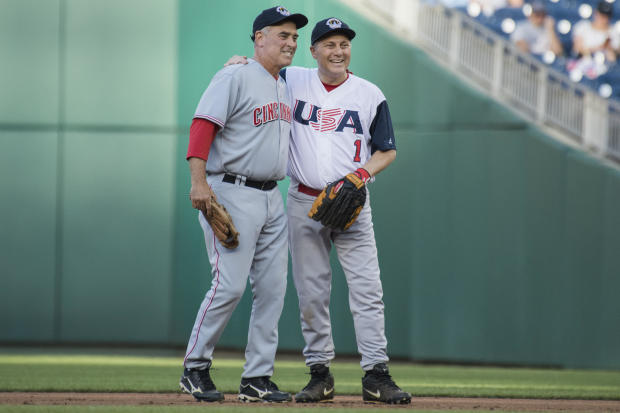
262	185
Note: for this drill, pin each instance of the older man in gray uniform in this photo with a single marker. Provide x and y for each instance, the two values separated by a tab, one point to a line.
240	136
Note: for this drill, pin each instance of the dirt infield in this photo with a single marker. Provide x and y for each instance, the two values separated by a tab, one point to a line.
422	403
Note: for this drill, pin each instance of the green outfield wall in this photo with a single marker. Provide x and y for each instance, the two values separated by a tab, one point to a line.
497	243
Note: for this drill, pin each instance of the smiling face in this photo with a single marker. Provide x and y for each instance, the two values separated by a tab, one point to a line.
275	46
333	55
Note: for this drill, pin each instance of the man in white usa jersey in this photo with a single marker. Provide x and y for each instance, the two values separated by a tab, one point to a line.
341	124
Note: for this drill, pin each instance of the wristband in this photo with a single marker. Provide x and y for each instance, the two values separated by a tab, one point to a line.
363	174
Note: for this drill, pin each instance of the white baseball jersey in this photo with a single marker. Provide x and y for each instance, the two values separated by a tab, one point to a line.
334	133
253	112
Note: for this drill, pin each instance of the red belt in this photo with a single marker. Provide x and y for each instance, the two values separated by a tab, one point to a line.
307	190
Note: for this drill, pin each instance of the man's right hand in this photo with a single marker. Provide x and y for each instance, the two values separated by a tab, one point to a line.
200	194
237	60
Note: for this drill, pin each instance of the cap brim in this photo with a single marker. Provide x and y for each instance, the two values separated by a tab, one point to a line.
343	30
299	19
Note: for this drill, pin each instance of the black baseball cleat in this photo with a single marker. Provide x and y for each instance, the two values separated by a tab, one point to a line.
261	389
320	388
198	383
378	387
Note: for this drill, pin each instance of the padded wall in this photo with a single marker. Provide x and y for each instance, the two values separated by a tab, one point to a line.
87	138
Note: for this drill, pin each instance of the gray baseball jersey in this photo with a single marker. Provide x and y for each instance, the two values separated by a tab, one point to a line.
252	109
244	103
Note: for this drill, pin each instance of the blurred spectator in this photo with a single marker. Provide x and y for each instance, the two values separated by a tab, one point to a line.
537	34
597	35
595	43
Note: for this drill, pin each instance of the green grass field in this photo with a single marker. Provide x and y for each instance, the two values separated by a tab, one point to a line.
29	371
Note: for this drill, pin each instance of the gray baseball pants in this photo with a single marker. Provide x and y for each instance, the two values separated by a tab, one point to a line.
310	244
262	257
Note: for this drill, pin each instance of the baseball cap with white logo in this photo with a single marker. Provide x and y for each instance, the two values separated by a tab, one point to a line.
275	15
330	26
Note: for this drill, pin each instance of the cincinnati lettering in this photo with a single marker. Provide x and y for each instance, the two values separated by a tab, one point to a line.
270	112
327	120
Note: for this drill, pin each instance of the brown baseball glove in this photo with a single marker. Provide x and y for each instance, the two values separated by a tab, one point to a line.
340	202
222	225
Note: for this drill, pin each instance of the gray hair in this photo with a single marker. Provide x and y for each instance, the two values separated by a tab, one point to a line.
264	30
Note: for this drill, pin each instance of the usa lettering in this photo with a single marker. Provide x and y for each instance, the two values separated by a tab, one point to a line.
327	120
270	112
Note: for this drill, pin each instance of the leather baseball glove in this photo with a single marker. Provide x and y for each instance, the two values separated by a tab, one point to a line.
340	202
222	225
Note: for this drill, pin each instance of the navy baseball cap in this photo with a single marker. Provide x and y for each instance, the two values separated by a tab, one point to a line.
274	15
538	7
330	26
605	8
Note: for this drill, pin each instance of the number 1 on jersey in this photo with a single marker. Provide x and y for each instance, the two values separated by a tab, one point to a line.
358	148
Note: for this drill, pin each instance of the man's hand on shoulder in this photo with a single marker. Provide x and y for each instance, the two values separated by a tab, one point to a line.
237	60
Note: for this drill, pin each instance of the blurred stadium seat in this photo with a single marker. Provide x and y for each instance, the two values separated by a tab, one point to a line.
566	14
608	84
